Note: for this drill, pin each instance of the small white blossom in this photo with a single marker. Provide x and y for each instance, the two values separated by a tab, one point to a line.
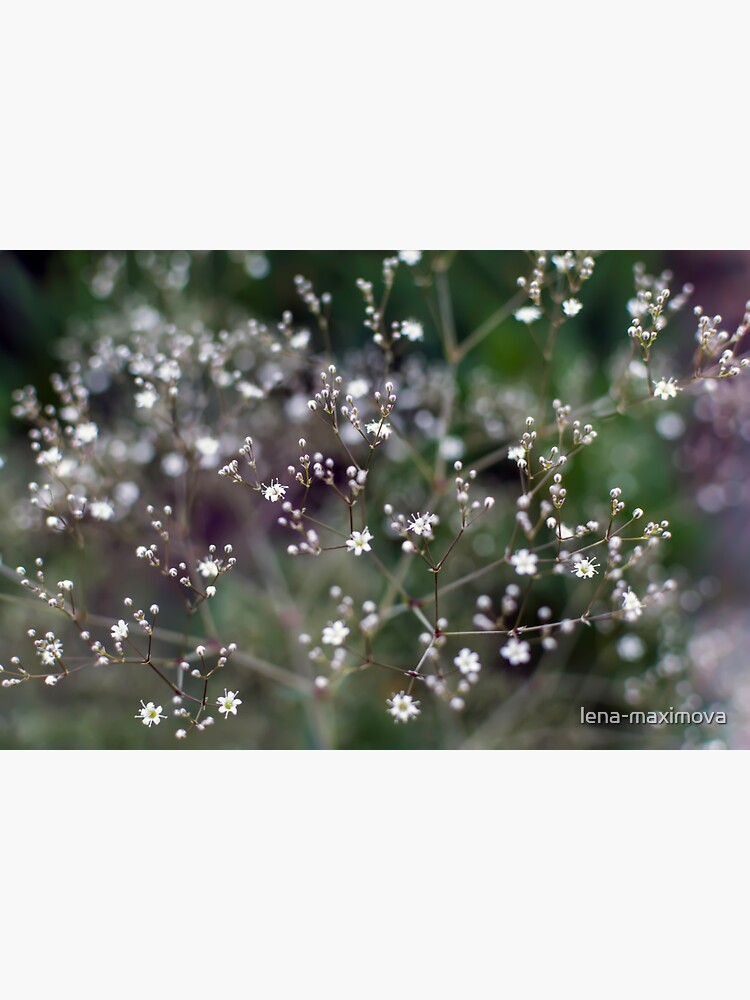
85	434
402	707
334	633
515	651
146	399
412	329
228	703
410	257
379	429
585	569
150	714
528	314
51	679
49	649
524	562
571	307
101	510
666	388
517	454
421	524
631	606
359	542
275	491
467	662
120	631
208	568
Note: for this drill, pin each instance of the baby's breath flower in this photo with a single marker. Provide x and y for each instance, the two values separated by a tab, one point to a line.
585	569
467	662
381	429
402	707
150	714
146	399
335	633
359	542
228	703
421	524
275	491
515	651
631	606
412	329
85	434
120	631
524	562
208	569
528	314
101	510
410	257
571	307
666	388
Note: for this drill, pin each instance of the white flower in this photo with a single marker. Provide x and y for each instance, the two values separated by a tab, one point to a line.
467	662
412	329
150	714
571	307
208	568
101	510
49	649
515	651
410	257
402	707
249	391
65	584
631	606
528	314
380	429
584	569
85	434
524	562
334	633
563	263
275	491
359	542
421	524
666	388
120	631
146	399
51	679
517	454
228	703
52	456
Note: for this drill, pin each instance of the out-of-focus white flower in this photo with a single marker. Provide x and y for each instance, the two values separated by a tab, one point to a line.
666	388
528	314
515	651
410	257
571	307
524	562
334	633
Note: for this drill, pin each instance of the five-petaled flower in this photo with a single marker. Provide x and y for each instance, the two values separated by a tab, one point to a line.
467	662
119	631
421	524
584	569
274	491
666	388
515	651
359	542
571	307
528	314
402	707
524	562
228	703
208	568
150	714
334	633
